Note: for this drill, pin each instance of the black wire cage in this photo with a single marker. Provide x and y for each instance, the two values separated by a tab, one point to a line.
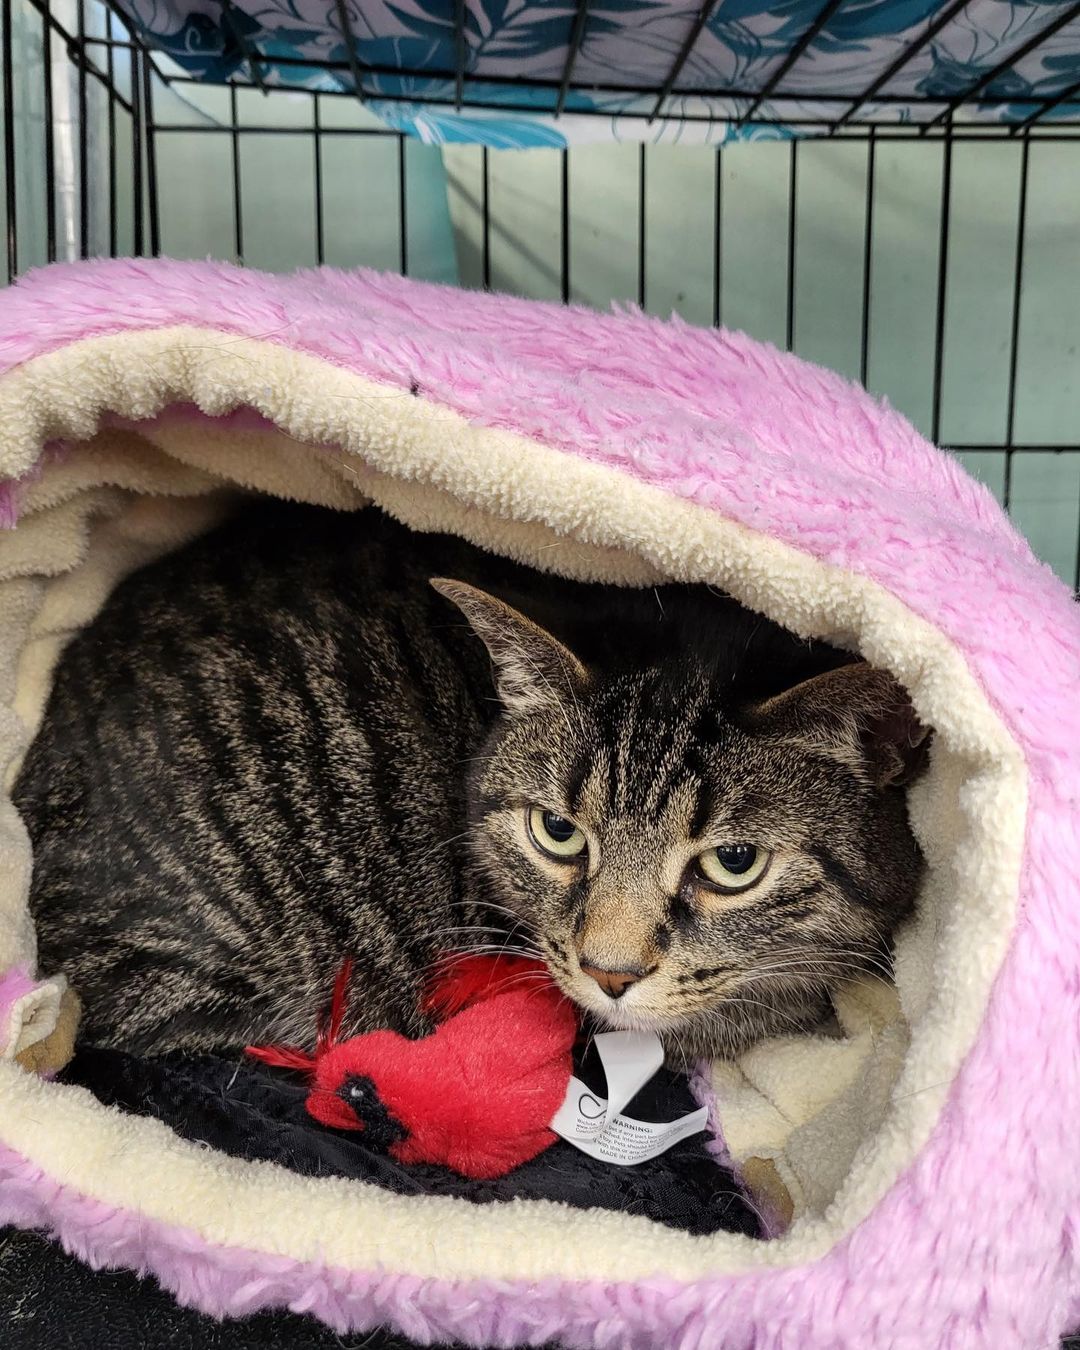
99	175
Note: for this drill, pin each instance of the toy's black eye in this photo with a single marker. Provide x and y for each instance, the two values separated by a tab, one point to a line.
380	1129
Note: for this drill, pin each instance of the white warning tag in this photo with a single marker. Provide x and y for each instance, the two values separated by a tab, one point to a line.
597	1126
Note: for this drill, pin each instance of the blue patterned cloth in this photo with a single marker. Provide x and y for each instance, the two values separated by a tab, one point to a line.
407	54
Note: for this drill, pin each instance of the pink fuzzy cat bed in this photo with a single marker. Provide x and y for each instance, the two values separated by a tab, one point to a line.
927	1156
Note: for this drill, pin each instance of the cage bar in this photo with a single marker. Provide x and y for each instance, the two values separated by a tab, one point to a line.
111	132
642	254
577	35
485	208
942	288
564	226
254	60
718	238
793	199
316	148
1069	95
10	199
868	258
460	52
50	136
823	16
238	213
137	151
151	156
1014	325
403	207
683	56
350	48
84	185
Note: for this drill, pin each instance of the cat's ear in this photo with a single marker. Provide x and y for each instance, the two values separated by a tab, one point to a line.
533	670
858	714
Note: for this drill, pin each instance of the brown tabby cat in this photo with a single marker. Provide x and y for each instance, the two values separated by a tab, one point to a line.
283	744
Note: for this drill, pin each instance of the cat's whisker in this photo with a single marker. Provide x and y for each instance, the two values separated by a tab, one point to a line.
466	928
715	1014
538	978
524	977
736	1002
793	963
862	953
804	953
492	905
454	838
590	1037
487	949
826	966
821	973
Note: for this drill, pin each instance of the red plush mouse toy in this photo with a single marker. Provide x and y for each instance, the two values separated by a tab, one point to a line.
476	1095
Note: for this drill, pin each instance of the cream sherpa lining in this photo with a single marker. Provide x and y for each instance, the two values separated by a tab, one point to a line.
434	470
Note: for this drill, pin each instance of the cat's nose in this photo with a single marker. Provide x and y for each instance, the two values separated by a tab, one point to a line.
613	982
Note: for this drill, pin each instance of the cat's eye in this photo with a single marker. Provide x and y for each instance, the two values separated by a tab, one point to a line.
733	867
555	835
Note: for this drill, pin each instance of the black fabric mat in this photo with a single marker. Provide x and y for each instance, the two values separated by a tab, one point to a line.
50	1301
247	1111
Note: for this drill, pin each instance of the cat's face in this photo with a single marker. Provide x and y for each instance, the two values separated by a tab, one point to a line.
683	866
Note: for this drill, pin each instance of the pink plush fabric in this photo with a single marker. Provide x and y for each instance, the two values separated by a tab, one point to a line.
978	1245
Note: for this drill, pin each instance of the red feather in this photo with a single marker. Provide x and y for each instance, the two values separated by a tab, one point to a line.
329	1030
330	1026
282	1056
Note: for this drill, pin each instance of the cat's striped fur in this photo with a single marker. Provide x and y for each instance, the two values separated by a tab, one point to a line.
281	745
